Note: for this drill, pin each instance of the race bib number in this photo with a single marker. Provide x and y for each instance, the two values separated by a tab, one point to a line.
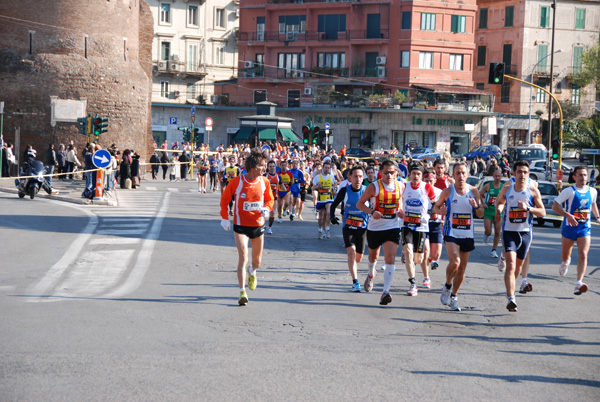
517	215
582	215
461	221
491	201
252	206
412	220
388	210
354	222
324	194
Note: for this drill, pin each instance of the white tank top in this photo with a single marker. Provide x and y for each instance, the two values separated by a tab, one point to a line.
459	218
416	206
515	218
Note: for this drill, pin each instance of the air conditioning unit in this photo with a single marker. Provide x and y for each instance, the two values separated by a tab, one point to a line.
176	94
237	13
380	61
291	36
248	64
173	66
162	65
174	57
299	74
214	99
381	72
307	91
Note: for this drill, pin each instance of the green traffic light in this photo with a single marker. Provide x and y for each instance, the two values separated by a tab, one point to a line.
554	156
496	80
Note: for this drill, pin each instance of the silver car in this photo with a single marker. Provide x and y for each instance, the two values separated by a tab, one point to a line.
549	192
537	170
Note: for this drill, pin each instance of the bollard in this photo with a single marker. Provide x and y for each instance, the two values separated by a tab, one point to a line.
99	184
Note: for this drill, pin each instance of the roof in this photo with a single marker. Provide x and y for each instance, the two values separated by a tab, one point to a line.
448	89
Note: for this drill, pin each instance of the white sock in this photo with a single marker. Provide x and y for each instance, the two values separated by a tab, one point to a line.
578	283
242	288
523	280
388	277
512	298
328	228
320	230
372	268
252	271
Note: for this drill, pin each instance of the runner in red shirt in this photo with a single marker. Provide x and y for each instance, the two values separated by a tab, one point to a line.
442	180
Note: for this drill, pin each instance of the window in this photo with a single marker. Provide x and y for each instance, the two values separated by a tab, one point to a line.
540	96
458	23
427	22
260	95
580	18
505	93
480	86
405	59
545	17
509	14
481	53
456	62
220	18
190	92
165	50
426	60
290	63
165	13
260	28
292	23
507	56
542	58
192	19
577	52
558	89
164	89
331	60
293	98
219	54
483	17
575	95
330	25
259	65
192	57
406	20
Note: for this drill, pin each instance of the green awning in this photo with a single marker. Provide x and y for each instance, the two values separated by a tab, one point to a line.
267	134
288	135
243	133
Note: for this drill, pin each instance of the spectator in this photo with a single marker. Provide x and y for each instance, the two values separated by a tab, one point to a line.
125	168
50	163
184	167
154	164
72	160
135	170
164	160
61	160
89	165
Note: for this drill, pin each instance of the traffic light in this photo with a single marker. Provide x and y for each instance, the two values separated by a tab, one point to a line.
187	134
196	134
305	134
496	76
316	134
99	125
555	147
82	125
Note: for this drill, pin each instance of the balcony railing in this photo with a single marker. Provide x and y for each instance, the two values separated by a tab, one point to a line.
309	1
275	36
326	73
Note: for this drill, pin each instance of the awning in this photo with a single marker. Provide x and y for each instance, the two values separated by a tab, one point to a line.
288	135
267	134
447	89
243	133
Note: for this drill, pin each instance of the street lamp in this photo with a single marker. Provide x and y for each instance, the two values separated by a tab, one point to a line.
531	92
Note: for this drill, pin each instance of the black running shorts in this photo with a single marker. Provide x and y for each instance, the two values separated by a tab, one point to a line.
355	237
375	238
417	239
251	231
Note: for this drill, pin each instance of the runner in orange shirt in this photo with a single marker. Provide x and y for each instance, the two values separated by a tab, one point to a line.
253	200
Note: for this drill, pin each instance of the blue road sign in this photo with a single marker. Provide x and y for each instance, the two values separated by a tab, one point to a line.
101	158
193	110
172	120
403	170
326	126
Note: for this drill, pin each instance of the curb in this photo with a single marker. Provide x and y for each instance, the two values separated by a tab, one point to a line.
81	201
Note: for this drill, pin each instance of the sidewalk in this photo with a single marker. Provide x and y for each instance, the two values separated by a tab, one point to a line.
68	191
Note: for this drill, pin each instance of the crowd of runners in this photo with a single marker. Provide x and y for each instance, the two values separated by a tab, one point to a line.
382	211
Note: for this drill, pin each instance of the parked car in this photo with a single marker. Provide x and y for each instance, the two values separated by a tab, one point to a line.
419	153
358	153
549	192
485	180
473	180
526	153
484	152
537	170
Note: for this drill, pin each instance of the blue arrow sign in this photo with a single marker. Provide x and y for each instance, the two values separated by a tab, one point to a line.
193	111
101	158
403	170
326	126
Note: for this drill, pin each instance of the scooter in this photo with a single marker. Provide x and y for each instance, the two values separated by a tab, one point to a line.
31	185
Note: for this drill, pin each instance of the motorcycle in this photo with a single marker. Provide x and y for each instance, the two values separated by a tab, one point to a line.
32	185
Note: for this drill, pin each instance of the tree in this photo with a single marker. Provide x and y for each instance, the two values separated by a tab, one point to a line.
591	128
570	111
589	73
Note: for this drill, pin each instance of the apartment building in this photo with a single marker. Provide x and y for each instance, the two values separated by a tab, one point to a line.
519	33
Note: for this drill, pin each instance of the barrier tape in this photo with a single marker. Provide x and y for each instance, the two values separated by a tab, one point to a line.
50	175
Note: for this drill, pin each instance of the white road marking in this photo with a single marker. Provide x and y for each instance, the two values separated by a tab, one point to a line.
173	190
121	232
114	240
149	188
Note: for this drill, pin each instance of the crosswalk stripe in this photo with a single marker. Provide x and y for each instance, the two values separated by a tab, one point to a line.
114	241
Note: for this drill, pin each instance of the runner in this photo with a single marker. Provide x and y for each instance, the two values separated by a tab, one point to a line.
433	243
442	180
306	177
579	199
383	228
202	167
517	198
371	176
229	173
285	179
253	200
354	225
461	202
489	193
324	184
273	178
297	181
417	199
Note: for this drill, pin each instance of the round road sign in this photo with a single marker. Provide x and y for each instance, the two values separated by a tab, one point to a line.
208	121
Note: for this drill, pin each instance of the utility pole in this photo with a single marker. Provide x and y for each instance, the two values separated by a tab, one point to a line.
548	165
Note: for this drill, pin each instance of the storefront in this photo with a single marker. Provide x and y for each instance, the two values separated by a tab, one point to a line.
416	139
460	143
363	139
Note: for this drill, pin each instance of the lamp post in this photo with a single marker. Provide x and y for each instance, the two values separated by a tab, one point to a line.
531	92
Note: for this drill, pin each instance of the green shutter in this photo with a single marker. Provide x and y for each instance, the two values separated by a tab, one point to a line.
580	19
545	17
509	16
454	25
542	58
483	18
577	52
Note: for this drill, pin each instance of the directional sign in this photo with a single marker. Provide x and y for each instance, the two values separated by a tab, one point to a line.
101	158
403	170
326	126
590	151
208	122
193	111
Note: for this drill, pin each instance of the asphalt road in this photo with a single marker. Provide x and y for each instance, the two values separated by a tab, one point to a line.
139	302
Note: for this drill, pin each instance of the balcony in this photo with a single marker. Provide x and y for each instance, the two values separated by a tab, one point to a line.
177	68
544	71
275	36
310	1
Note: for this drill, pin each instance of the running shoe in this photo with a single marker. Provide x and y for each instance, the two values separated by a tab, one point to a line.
356	287
285	212
369	283
243	300
579	289
434	265
486	239
494	254
512	305
252	281
328	235
385	299
323	235
501	264
269	231
526	287
427	283
300	217
454	304
291	217
413	291
280	220
445	297
564	267
319	235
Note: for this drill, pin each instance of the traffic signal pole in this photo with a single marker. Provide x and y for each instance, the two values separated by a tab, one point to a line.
560	127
